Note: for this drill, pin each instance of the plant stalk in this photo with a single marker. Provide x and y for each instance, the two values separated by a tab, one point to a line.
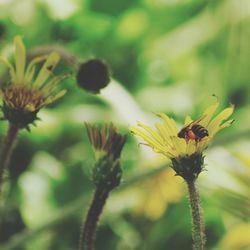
198	229
7	149
88	233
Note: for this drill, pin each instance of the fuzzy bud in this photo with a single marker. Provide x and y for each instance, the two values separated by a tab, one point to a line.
93	76
107	173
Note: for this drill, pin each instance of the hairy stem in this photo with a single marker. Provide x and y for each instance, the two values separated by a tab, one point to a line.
7	148
198	232
88	233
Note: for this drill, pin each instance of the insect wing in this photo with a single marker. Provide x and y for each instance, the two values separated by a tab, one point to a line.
196	121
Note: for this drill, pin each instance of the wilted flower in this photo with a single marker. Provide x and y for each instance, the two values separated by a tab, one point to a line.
106	141
27	91
107	144
185	146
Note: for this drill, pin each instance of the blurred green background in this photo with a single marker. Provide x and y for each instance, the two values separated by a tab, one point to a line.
165	55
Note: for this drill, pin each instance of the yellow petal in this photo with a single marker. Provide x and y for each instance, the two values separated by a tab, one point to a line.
208	114
164	133
151	131
30	107
227	124
159	145
31	68
170	124
202	145
20	57
180	145
155	205
237	237
47	68
165	130
11	69
49	86
214	126
152	142
51	99
188	120
222	126
149	139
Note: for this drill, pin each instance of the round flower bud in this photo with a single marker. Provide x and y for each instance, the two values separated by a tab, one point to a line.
93	75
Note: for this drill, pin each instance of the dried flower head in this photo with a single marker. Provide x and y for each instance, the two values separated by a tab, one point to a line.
185	146
27	91
108	144
106	140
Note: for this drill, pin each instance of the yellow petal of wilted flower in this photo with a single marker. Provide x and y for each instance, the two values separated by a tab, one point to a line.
29	74
46	70
20	57
10	67
52	99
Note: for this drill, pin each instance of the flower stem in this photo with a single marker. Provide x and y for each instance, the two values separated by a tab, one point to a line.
7	148
198	232
88	233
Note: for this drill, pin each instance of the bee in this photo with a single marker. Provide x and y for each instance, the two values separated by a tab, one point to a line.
193	131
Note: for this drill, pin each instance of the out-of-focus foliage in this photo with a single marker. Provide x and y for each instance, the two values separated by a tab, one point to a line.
165	55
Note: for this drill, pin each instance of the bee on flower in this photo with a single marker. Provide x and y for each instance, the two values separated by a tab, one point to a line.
28	91
184	146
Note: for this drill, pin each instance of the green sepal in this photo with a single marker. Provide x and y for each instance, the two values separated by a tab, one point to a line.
189	167
107	173
19	117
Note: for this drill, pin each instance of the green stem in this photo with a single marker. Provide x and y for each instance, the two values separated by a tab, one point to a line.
88	233
7	148
198	232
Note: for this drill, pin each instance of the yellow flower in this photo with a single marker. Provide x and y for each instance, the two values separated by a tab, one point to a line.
28	92
155	194
164	139
187	144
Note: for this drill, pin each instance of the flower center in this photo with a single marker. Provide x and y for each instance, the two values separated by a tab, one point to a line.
23	97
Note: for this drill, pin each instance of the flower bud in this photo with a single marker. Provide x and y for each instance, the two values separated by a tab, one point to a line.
107	173
108	145
93	76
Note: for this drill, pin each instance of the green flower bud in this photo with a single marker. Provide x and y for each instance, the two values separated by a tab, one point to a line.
107	144
107	173
188	167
